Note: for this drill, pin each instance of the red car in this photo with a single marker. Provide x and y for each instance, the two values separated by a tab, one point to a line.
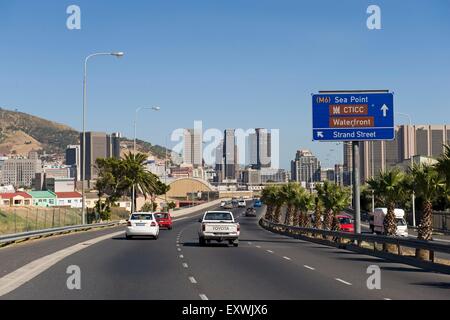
346	223
164	220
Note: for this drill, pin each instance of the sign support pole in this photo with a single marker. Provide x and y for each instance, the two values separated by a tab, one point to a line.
356	188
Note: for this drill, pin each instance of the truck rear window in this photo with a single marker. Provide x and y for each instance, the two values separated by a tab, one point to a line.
218	216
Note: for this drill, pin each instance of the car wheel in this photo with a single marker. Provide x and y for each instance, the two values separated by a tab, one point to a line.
156	237
236	243
127	237
201	241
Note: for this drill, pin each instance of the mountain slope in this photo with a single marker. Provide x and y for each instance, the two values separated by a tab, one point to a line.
21	133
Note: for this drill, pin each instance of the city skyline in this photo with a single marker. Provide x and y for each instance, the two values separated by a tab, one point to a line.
263	80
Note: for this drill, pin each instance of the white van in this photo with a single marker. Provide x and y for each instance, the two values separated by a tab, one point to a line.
377	221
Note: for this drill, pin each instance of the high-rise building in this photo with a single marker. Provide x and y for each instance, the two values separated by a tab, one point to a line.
73	159
230	153
348	164
98	145
410	141
193	147
339	174
260	149
20	172
219	163
305	168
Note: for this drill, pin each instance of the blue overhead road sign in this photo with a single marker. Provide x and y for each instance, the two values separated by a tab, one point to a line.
353	117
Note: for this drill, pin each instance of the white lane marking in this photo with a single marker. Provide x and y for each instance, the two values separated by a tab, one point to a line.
185	265
259	247
344	282
192	280
387	299
179	249
287	258
203	297
17	278
269	251
181	256
178	244
310	268
249	243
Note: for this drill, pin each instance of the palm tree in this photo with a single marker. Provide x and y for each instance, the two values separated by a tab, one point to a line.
304	202
317	212
135	174
443	168
325	194
340	199
279	201
268	197
428	185
289	192
389	187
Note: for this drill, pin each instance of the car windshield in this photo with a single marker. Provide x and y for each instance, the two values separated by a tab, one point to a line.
138	216
401	222
161	216
219	216
345	220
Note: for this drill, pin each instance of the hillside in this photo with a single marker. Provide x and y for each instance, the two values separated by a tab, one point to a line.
21	133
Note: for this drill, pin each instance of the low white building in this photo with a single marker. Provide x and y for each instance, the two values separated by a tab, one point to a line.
69	199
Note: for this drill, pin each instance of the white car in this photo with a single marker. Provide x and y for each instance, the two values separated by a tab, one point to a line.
222	204
242	204
142	224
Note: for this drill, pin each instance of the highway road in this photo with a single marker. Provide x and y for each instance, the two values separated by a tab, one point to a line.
265	266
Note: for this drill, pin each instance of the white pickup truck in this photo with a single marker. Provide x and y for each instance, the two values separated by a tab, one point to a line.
219	226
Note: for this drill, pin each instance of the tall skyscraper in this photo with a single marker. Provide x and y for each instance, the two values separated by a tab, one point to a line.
98	145
193	147
305	168
348	164
219	163
260	149
230	155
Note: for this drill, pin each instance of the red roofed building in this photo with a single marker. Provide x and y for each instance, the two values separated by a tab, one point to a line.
68	199
17	199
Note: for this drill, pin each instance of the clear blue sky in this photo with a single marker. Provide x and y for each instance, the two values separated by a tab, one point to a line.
230	63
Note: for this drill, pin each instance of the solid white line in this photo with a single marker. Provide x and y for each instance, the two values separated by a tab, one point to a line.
185	265
192	280
203	297
287	258
344	282
310	268
17	278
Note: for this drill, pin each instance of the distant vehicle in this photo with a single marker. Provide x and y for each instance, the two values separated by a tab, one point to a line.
235	203
250	212
142	224
257	204
164	220
346	223
377	221
242	204
228	205
219	226
222	204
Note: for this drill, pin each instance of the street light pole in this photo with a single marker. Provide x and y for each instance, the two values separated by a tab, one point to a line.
118	55
412	164
154	108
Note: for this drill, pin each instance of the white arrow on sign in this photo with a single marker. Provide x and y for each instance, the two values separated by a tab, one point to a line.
385	109
320	134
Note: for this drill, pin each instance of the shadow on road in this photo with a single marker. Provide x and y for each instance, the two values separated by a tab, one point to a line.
133	239
439	285
212	245
404	269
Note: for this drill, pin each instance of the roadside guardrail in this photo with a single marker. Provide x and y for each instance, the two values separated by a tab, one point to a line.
20	237
366	242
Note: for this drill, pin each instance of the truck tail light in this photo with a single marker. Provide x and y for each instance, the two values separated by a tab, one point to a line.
203	227
239	228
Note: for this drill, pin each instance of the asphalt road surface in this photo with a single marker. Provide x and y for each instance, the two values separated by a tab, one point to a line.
265	266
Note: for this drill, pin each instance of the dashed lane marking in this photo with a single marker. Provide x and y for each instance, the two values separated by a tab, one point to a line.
344	282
